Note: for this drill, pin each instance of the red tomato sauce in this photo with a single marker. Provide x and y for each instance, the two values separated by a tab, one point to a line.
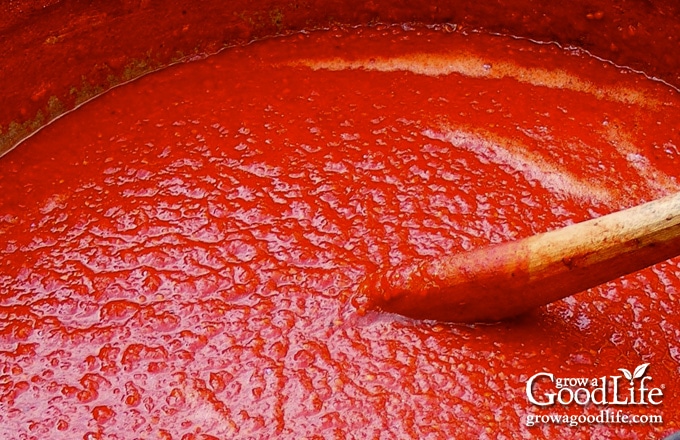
181	256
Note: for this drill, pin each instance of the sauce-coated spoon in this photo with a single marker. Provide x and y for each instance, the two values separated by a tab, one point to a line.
505	280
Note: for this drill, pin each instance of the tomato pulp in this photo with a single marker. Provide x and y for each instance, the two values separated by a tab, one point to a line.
180	256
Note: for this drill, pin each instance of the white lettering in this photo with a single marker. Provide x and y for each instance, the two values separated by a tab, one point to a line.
602	391
530	391
584	392
605	390
654	392
560	397
616	400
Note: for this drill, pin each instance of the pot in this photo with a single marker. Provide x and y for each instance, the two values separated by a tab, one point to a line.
61	54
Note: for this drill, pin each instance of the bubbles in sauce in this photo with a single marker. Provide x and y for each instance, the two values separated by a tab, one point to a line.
179	256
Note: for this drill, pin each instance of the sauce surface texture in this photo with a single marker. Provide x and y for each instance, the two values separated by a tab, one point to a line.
180	257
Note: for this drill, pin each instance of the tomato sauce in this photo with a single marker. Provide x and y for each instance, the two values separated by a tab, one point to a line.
181	256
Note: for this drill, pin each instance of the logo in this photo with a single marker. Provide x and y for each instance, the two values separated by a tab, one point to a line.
605	390
621	391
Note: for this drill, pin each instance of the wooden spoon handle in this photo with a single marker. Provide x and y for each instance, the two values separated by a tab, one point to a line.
504	280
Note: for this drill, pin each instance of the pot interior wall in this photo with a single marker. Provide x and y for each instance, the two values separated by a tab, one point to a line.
58	54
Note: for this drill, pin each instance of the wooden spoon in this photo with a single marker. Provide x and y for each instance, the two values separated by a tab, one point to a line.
501	281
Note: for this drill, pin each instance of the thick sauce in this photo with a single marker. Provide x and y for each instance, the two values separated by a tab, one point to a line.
180	257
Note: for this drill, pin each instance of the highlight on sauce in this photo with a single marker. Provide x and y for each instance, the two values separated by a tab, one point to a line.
180	257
